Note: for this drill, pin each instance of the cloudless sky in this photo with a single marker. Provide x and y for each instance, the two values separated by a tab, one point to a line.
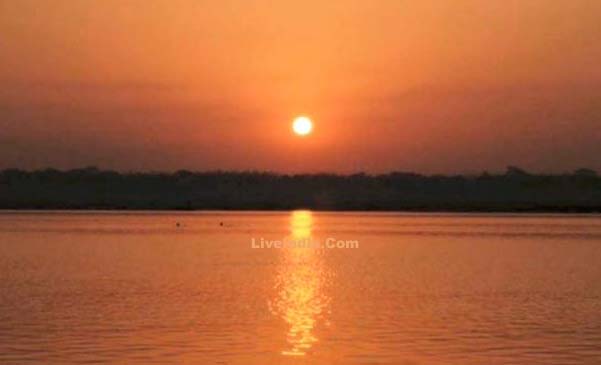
434	86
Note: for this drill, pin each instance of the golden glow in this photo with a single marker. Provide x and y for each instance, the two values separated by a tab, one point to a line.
302	126
301	224
301	300
229	77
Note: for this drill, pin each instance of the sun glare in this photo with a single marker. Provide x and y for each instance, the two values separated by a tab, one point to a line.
302	126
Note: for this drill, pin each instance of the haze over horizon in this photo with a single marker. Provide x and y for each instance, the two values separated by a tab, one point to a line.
425	86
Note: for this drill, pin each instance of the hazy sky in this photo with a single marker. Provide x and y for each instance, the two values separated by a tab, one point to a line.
429	86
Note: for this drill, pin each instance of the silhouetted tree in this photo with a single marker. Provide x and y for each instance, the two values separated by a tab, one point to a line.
585	172
92	188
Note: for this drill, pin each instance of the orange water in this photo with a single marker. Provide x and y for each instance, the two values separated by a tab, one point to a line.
164	288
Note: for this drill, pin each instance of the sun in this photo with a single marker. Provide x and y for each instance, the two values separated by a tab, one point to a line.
302	126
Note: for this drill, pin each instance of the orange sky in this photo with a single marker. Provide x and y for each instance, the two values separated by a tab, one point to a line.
428	86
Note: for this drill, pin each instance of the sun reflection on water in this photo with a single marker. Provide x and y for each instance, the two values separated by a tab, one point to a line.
301	278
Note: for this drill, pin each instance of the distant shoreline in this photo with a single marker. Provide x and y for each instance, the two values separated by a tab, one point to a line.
515	191
575	211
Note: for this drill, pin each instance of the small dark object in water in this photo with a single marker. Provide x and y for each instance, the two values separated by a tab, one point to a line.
221	224
177	224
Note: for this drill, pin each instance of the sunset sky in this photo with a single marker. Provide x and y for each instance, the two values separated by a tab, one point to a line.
436	86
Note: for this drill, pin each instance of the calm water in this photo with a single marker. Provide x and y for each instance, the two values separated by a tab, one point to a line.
420	289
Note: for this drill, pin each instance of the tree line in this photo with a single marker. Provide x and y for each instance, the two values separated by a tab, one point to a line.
516	190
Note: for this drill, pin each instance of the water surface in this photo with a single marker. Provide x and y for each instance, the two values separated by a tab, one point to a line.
162	288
